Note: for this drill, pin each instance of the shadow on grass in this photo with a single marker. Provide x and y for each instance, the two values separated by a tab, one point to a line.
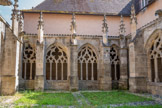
112	97
41	98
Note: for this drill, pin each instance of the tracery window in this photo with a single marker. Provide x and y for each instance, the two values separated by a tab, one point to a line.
29	62
156	60
87	64
56	64
115	65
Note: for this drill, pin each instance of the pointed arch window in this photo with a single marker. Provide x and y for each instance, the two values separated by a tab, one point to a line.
87	64
115	64
156	60
56	64
29	62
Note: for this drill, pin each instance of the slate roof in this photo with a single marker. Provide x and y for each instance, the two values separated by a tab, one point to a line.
5	2
110	7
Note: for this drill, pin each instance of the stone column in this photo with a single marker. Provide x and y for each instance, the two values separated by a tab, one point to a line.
123	82
21	80
39	78
156	69
137	67
73	68
149	68
132	81
105	75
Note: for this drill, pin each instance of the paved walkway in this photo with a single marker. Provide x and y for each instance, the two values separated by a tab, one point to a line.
81	99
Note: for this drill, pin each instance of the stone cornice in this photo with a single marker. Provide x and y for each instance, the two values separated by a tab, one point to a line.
69	35
149	24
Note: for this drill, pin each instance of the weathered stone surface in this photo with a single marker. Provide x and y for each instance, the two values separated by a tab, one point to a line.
9	64
88	85
57	85
154	88
39	83
73	78
29	84
8	85
105	76
137	84
39	78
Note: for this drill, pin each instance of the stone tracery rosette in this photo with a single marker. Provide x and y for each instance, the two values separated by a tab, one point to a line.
114	58
29	62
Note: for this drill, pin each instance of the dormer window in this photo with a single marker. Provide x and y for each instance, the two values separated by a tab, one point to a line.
144	3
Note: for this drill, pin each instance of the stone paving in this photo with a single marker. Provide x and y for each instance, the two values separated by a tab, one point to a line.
8	101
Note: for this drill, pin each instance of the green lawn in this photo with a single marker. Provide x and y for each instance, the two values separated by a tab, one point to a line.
40	98
88	100
155	106
114	97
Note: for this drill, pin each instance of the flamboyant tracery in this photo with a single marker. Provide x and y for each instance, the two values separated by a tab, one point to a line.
87	64
115	65
156	60
29	62
56	64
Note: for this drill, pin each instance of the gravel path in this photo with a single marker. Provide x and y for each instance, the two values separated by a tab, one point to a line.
147	103
81	99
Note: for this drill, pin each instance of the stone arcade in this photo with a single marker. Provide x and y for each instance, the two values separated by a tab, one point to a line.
83	45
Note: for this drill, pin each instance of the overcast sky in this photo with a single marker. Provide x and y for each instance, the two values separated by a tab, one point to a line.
5	11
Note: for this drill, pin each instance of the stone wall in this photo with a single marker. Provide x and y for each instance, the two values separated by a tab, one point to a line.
140	70
73	83
8	72
138	64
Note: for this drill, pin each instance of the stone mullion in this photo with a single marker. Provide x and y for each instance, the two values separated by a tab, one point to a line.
86	70
115	71
156	70
50	70
81	71
62	77
25	71
56	71
92	71
31	66
149	68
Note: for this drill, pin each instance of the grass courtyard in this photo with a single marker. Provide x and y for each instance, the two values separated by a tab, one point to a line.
40	98
80	99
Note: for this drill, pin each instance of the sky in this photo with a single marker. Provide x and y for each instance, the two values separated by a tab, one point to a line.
5	11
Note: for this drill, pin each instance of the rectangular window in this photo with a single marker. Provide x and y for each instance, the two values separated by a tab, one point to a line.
144	3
